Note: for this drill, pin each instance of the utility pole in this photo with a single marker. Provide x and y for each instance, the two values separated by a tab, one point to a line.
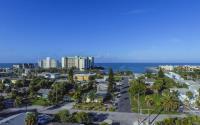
56	95
138	108
149	122
26	99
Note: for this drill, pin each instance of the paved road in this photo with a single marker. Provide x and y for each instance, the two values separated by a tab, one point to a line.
123	118
124	101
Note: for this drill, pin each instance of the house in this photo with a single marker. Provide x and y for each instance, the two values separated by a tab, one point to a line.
84	76
193	86
102	87
9	80
14	80
149	81
182	93
137	75
44	93
98	98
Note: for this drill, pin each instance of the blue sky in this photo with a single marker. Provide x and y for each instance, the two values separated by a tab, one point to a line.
110	30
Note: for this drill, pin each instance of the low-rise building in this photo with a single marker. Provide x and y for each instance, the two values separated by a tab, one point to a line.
24	66
50	75
102	87
174	76
182	93
137	75
149	81
44	93
167	67
84	76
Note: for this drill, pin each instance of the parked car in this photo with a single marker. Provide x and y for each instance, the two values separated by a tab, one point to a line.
44	119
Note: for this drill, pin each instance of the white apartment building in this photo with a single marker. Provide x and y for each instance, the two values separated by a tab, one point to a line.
78	62
47	63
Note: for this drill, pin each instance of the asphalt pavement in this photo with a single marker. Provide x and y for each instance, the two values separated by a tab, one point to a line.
124	101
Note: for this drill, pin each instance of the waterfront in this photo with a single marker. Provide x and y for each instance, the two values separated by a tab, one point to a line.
137	67
134	67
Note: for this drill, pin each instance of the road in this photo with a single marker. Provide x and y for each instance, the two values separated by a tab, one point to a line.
123	118
124	101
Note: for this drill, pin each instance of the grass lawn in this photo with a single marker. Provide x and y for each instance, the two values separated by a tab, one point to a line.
92	106
155	108
117	78
40	101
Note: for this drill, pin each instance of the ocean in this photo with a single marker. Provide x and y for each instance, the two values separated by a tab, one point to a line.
134	67
137	67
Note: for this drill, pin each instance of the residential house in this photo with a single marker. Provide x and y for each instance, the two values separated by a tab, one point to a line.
43	93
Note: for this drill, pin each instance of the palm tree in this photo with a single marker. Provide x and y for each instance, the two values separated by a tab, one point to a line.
189	94
31	118
92	96
149	101
18	101
170	103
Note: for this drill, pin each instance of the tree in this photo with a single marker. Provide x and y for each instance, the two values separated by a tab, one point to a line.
18	84
77	95
161	73
199	91
6	81
111	81
189	95
82	117
2	86
57	92
63	116
198	101
92	95
137	87
71	75
170	103
18	101
34	87
13	94
149	101
31	118
158	85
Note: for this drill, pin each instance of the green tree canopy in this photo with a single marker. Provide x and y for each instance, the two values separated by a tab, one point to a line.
82	117
170	103
18	101
137	87
189	95
161	73
111	81
71	75
63	116
31	118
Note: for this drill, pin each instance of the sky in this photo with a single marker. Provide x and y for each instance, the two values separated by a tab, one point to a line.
109	30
